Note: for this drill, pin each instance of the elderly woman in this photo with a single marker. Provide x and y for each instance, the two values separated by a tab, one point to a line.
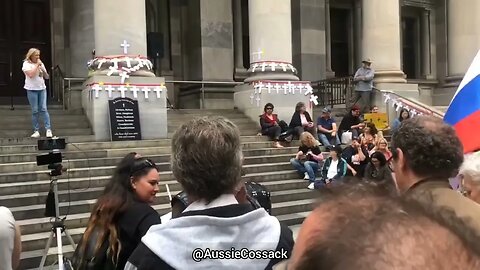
35	75
301	121
470	170
207	161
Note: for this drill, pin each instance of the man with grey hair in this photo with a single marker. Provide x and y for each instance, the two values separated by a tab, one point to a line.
470	171
214	231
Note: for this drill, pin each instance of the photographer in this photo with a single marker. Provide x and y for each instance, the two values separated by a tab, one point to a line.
307	158
35	75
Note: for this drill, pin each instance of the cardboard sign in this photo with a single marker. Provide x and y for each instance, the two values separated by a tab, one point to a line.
124	119
379	119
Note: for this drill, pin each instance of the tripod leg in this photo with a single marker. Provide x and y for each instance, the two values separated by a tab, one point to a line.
45	251
70	239
59	248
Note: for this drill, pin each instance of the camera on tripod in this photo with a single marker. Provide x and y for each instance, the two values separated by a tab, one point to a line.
54	157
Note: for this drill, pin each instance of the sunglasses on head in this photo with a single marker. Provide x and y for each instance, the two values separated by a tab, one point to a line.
139	165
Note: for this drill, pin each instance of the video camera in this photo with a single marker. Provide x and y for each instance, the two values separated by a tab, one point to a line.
54	157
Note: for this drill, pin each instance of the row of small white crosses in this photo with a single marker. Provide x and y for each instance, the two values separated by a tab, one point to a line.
273	66
400	105
134	89
141	62
287	87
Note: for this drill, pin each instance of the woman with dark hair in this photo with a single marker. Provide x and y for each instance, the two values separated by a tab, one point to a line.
370	136
404	114
377	169
334	168
301	121
271	126
121	216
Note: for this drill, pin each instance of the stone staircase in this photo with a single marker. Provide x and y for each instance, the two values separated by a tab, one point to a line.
24	186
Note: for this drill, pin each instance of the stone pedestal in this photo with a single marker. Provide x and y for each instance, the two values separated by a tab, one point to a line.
381	39
153	111
284	104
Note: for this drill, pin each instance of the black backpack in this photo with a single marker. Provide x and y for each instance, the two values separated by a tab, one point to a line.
89	260
260	194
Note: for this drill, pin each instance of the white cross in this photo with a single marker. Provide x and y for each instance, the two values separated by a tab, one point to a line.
115	62
125	46
149	64
258	100
291	88
258	87
254	67
122	90
300	88
110	89
100	62
158	90
309	89
264	65
145	91
277	87
97	88
128	70
269	87
313	98
252	96
139	61
291	67
273	66
134	89
124	76
285	88
111	70
128	60
258	54
283	66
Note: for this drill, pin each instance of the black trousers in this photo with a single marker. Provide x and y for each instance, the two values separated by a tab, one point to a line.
273	132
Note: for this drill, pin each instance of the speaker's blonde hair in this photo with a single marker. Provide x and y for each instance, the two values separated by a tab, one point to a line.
30	52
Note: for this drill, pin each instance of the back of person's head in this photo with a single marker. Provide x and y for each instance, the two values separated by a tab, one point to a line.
429	147
118	195
207	157
361	227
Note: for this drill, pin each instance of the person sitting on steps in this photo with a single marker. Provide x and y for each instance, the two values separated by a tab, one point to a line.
327	129
333	170
352	122
301	121
271	126
308	156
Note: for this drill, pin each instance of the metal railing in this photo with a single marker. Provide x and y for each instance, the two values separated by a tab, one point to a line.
203	84
334	91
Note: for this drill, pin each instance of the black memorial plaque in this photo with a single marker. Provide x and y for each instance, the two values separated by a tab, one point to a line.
124	119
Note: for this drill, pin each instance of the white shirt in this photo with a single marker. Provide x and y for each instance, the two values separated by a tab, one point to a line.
37	82
223	200
7	237
332	170
303	119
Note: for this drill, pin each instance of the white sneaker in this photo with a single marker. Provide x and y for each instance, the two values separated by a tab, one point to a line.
306	177
311	186
35	134
49	133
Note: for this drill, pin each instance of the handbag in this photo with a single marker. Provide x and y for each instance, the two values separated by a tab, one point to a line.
347	137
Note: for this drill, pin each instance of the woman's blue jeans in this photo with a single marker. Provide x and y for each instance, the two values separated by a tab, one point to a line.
38	103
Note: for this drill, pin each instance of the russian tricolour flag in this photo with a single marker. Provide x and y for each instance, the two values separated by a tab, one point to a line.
464	110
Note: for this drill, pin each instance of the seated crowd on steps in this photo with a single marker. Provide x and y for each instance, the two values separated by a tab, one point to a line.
415	221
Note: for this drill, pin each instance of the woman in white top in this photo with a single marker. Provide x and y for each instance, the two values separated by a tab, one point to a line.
10	243
35	75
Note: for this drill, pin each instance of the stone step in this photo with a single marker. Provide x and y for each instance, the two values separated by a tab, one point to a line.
247	131
60	132
32	141
57	119
84	205
175	123
102	162
107	171
88	146
26	112
254	173
27	199
56	124
31	259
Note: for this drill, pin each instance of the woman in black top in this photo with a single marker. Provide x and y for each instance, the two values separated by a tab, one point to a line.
308	156
301	121
378	171
122	214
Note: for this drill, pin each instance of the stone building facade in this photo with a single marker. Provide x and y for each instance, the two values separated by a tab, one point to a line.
420	47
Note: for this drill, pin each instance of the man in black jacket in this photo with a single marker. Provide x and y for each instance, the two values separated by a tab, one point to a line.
214	231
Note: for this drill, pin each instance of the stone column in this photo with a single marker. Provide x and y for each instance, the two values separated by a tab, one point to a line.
463	36
237	31
328	41
426	70
270	29
381	39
